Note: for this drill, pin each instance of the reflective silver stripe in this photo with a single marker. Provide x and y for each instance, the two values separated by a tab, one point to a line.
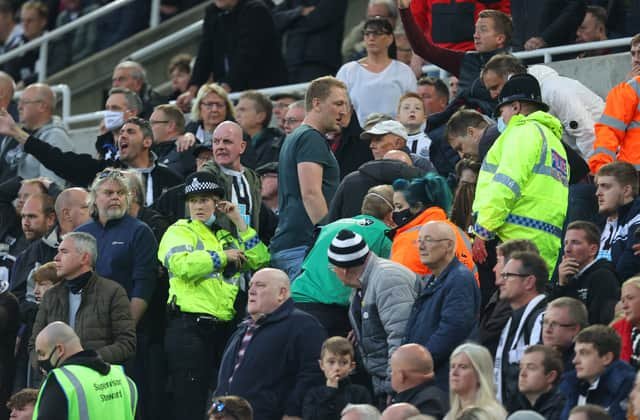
83	408
234	280
634	84
606	151
634	124
133	394
613	122
489	167
182	248
464	237
637	166
508	182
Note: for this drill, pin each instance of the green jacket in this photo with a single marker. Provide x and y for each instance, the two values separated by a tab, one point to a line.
522	189
92	395
318	284
226	182
200	277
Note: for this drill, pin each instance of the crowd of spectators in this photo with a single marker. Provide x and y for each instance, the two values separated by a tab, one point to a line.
381	246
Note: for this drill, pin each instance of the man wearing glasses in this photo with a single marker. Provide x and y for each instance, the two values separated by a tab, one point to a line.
564	318
522	284
446	311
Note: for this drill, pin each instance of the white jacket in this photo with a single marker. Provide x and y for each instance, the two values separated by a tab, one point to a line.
574	104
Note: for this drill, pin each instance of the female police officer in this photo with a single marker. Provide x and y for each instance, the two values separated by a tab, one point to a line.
205	264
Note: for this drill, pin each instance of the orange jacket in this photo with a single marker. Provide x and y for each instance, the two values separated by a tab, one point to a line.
618	130
405	251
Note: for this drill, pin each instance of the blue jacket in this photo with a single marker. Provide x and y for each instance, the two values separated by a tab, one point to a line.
612	392
280	363
627	264
126	254
444	315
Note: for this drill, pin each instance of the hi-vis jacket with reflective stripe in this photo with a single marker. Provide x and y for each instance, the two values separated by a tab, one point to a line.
522	188
194	256
94	396
618	131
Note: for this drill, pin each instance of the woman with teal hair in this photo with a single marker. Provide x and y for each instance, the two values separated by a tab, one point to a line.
417	202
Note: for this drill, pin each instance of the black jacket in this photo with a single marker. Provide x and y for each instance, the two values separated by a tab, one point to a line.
288	342
598	288
555	21
81	169
352	150
12	240
9	323
315	38
267	146
427	398
549	405
325	403
493	318
182	163
351	191
235	44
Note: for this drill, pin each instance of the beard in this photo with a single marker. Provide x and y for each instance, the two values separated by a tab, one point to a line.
115	213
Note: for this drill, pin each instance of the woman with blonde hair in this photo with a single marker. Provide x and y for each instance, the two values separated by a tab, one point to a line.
628	327
211	107
471	382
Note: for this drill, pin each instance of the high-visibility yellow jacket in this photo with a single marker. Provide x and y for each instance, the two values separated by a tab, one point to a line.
618	130
194	256
522	190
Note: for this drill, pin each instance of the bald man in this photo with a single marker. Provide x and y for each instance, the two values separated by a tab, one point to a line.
399	411
399	155
445	314
36	107
72	209
284	347
412	380
241	184
79	383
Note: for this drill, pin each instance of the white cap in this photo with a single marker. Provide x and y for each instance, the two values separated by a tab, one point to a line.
386	127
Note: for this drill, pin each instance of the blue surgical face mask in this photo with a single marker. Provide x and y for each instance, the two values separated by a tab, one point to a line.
209	222
501	125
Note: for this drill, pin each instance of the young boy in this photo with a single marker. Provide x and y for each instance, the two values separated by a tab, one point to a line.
412	116
337	362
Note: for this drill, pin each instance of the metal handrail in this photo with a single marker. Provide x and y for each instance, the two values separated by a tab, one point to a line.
43	40
162	44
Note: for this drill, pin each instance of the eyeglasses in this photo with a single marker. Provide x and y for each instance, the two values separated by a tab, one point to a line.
154	122
212	104
429	241
110	172
554	324
374	33
27	102
506	275
291	120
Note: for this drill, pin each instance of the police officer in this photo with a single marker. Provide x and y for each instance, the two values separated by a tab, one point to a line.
522	189
80	385
205	265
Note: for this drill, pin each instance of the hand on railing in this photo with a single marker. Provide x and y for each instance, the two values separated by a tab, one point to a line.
534	43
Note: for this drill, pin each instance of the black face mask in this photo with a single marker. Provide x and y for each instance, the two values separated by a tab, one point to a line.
46	364
402	217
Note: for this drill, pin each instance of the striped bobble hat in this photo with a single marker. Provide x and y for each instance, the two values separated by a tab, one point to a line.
348	249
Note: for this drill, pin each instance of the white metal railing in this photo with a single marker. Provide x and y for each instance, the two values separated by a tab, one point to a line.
160	45
42	42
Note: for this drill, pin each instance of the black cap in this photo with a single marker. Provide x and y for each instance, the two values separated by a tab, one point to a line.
199	147
521	87
293	95
271	167
202	183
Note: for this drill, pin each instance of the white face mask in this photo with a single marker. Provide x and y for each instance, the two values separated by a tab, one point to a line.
113	120
501	125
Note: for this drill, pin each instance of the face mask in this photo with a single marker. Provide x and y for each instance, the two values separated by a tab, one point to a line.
501	125
46	364
113	120
401	217
210	220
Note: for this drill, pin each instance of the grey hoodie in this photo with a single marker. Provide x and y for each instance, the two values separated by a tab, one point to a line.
54	133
